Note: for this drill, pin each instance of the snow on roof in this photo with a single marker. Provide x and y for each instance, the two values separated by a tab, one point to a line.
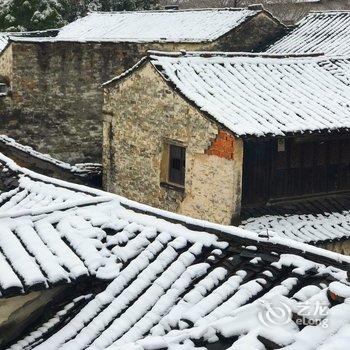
322	32
256	94
177	289
24	189
148	26
5	37
80	169
174	279
310	221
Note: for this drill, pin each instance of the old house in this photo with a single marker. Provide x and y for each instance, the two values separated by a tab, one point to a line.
83	269
212	135
55	82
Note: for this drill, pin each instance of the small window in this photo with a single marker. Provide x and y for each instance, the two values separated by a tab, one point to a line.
3	89
177	164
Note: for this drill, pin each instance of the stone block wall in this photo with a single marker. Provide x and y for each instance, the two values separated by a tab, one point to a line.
141	115
251	36
6	65
56	100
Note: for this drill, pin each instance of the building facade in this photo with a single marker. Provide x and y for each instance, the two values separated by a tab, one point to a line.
57	81
205	135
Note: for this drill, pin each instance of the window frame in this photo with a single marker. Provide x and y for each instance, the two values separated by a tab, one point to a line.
166	179
5	88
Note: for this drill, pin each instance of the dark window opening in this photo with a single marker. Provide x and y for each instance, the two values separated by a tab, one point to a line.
3	89
177	164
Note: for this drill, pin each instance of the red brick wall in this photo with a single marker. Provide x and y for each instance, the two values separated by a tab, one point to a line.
223	146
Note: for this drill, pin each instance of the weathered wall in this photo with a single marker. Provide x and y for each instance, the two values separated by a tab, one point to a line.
56	94
6	77
341	247
253	35
17	313
140	116
6	64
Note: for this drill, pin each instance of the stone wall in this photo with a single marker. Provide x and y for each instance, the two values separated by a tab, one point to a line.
56	94
253	35
6	77
6	64
341	247
141	115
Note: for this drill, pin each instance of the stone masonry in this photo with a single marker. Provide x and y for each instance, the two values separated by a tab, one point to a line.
141	115
56	96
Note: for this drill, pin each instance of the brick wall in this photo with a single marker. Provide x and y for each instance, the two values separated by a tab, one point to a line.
141	115
222	146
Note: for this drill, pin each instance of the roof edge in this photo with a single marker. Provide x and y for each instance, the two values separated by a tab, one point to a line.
127	73
208	54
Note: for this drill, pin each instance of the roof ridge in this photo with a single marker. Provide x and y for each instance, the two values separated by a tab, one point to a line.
329	11
208	54
236	9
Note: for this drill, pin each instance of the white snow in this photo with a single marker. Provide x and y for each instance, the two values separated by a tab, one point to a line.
303	227
323	32
257	94
163	282
75	169
148	26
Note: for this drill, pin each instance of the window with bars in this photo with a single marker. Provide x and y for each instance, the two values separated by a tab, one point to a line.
3	89
177	165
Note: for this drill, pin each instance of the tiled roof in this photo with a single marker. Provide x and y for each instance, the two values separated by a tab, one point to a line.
148	26
310	221
321	32
262	95
24	189
176	283
34	254
80	172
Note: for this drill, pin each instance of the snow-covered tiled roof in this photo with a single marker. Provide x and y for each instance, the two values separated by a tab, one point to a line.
149	26
24	189
177	282
321	32
184	287
81	172
263	95
310	221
